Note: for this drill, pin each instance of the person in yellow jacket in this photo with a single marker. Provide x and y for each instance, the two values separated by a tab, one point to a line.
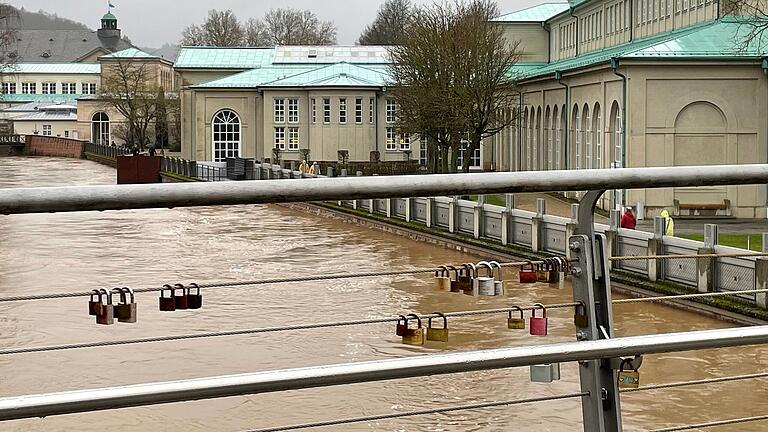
669	223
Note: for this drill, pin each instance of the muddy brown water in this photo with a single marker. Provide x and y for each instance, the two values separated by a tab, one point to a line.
79	251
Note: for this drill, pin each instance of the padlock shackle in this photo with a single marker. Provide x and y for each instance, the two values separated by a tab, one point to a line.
455	271
472	267
528	263
403	319
539	306
417	320
625	361
440	315
129	291
95	292
517	308
498	266
169	288
120	291
108	294
182	288
195	286
442	271
487	265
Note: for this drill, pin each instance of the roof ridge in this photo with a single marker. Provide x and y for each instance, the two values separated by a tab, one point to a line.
300	73
533	6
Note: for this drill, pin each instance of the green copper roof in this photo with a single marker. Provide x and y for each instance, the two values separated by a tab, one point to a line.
224	58
53	68
728	38
336	75
28	98
108	17
538	13
129	53
257	77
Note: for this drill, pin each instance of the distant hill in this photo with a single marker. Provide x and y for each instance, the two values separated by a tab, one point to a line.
42	20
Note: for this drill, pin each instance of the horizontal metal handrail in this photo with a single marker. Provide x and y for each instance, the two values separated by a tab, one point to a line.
88	198
43	405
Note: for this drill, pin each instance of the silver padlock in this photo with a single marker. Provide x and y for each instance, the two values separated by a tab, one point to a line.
498	282
471	270
485	284
545	373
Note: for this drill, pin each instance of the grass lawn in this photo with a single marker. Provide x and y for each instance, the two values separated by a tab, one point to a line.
733	240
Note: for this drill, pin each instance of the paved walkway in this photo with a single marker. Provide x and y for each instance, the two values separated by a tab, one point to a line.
555	206
726	226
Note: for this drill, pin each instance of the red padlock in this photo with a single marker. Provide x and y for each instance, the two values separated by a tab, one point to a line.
527	275
167	304
402	324
181	301
538	325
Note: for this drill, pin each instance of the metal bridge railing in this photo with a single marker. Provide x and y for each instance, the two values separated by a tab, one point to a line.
598	353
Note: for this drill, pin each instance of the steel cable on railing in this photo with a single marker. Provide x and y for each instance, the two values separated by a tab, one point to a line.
383	320
440	410
689	256
696	382
229	284
713	424
688	296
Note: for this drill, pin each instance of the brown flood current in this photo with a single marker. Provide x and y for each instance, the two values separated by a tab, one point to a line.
80	251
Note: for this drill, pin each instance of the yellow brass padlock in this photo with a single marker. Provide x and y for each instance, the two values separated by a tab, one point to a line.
437	334
628	378
443	279
413	336
516	323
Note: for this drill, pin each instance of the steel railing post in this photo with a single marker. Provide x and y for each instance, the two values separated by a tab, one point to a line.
601	409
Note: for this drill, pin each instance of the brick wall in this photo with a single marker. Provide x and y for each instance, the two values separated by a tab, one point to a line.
38	145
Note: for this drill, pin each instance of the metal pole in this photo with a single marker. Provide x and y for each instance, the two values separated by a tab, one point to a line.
601	409
85	198
44	405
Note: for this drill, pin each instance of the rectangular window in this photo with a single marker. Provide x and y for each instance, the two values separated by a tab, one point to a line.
391	143
405	142
342	110
327	110
293	138
474	160
49	88
423	149
47	130
293	110
66	134
280	138
314	110
391	111
371	110
89	88
9	88
279	109
358	110
69	88
28	88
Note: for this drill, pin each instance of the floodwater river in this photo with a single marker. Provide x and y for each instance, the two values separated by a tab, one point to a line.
79	251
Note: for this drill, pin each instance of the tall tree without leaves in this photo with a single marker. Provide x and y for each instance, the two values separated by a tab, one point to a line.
451	79
221	29
9	26
753	32
387	28
288	26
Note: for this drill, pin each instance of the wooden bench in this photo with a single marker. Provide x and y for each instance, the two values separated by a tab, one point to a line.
721	209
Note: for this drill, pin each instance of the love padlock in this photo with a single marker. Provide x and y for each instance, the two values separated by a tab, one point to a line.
167	304
554	270
580	315
538	324
402	324
125	311
443	279
628	378
516	323
542	272
94	304
413	336
437	334
527	273
194	301
107	314
498	283
181	301
485	284
470	283
455	282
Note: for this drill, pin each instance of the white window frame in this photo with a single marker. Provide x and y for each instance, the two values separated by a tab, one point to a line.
577	139
391	139
278	109
618	137
371	110
69	88
326	110
313	104
405	141
293	138
101	127
89	88
343	110
279	137
391	111
423	149
28	88
587	140
9	88
66	133
359	110
598	137
47	130
49	88
226	138
293	110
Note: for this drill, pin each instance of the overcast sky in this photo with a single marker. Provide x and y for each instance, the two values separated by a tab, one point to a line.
153	22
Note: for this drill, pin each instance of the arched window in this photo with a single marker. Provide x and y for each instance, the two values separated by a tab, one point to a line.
548	137
576	138
100	129
617	134
537	142
587	126
598	128
526	142
226	135
558	130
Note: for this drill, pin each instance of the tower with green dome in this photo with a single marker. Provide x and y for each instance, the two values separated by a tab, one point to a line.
109	27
